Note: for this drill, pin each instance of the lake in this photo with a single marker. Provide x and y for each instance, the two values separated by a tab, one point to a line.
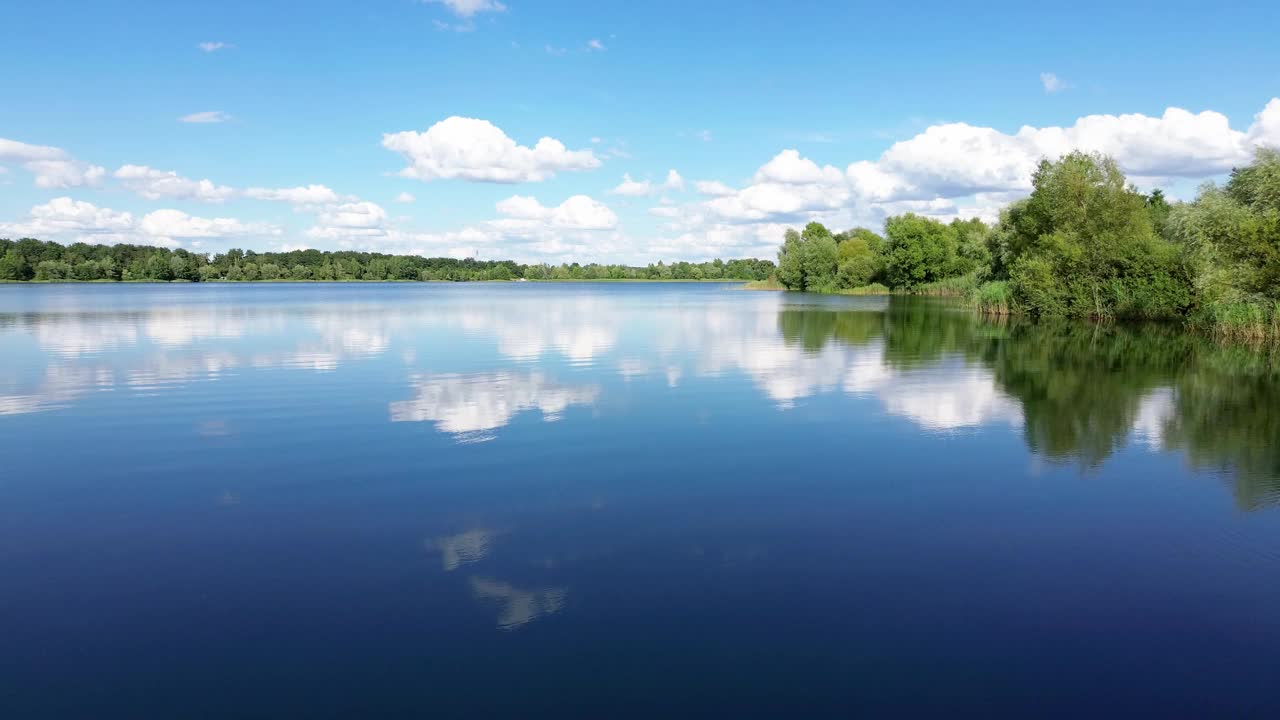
624	500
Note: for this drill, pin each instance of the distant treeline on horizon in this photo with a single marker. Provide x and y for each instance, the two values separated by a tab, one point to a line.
29	259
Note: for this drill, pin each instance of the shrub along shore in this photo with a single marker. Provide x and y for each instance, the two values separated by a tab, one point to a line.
1084	244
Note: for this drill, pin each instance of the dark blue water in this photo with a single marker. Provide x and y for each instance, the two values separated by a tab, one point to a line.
617	500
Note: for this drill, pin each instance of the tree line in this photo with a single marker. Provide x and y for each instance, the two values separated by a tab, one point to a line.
1085	243
31	259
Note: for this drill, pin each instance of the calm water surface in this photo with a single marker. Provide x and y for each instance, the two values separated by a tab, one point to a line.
613	500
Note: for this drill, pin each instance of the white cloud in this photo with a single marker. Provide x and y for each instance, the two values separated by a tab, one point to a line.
594	45
208	116
704	135
579	212
302	195
957	169
66	173
714	188
553	50
77	221
14	151
53	167
346	221
64	217
214	46
674	181
1266	126
405	198
170	224
632	188
155	184
469	8
477	150
1052	83
788	167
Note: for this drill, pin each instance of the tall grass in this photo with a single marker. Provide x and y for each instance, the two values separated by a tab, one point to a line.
994	298
770	283
1249	321
872	289
958	286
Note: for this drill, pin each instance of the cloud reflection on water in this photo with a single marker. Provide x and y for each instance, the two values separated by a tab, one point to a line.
712	335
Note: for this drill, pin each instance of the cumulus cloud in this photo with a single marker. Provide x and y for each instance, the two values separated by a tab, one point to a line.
77	221
301	195
714	188
405	198
470	8
52	167
155	184
579	212
594	45
477	150
177	224
960	169
630	187
789	168
348	221
207	116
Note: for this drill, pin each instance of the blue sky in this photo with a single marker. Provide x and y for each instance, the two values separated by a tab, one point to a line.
784	112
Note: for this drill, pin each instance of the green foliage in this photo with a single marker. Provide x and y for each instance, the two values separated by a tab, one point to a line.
820	258
871	289
994	298
919	250
1230	238
860	258
955	286
29	259
972	252
1082	387
808	261
1158	210
1083	245
13	266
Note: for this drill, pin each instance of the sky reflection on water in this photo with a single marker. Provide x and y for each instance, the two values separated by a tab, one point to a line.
711	493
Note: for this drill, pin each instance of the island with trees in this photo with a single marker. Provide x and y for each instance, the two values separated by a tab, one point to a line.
1084	244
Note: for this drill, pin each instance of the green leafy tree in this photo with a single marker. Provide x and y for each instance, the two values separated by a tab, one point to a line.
14	267
1083	245
919	250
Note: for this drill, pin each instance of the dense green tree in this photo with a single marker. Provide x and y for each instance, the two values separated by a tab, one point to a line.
861	258
1083	245
1158	209
820	258
14	267
1231	238
791	261
919	250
